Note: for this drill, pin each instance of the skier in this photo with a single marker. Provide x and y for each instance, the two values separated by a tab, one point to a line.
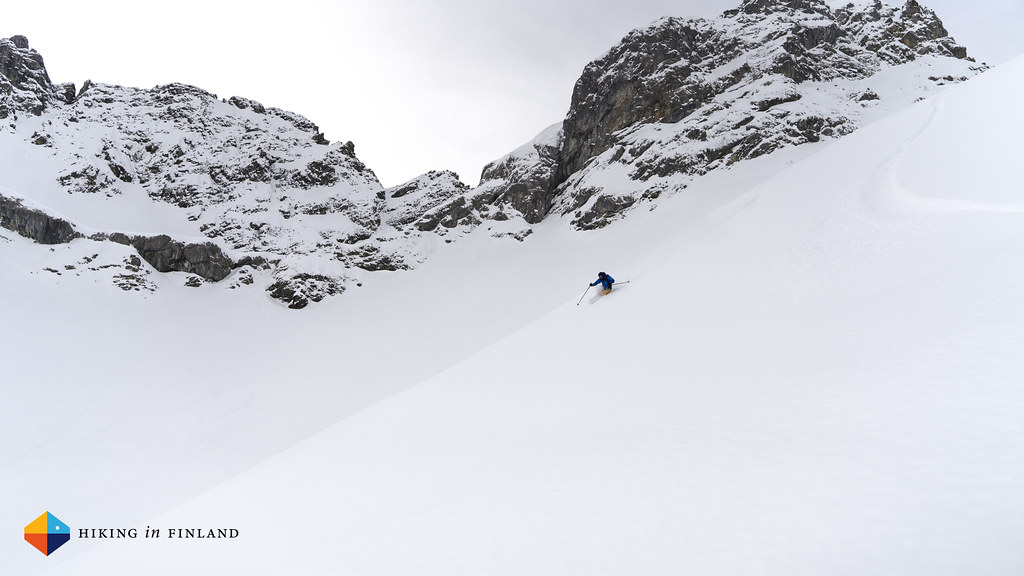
605	281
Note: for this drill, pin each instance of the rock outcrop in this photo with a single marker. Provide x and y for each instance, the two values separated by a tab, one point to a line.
35	224
754	59
168	255
162	252
734	87
684	97
525	179
24	84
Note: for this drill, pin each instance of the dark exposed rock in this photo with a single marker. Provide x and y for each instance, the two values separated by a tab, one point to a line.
65	91
426	201
135	280
85	87
167	255
179	92
121	238
119	172
776	100
429	222
769	6
526	181
898	35
868	95
21	65
373	259
457	211
519	236
450	215
257	262
297	291
35	224
246	104
603	211
259	168
317	173
88	180
657	75
24	84
619	89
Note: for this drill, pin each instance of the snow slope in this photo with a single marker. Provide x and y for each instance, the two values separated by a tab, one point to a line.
815	369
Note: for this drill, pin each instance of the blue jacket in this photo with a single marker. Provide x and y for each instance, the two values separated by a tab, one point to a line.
606	282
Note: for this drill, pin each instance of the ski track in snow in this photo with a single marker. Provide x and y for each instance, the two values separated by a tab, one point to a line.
898	200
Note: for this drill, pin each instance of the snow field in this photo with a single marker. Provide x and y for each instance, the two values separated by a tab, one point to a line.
817	373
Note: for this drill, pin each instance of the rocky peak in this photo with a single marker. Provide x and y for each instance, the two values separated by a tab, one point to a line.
24	83
680	69
278	204
769	6
21	65
616	90
524	179
898	35
769	74
408	203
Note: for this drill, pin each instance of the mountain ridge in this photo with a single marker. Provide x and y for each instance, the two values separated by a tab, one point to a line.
266	195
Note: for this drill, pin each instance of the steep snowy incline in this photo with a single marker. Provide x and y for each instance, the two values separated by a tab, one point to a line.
117	406
819	375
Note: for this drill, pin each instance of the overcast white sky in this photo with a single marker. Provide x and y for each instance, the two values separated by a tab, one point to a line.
417	85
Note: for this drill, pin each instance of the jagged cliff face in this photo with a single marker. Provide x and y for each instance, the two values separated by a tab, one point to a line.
676	68
736	87
24	84
684	97
260	198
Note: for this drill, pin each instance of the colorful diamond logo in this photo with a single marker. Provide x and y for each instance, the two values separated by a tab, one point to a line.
47	533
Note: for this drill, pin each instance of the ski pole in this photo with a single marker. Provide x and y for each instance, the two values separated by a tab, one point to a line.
584	295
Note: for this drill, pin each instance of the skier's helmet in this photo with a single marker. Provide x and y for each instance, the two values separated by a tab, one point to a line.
601	274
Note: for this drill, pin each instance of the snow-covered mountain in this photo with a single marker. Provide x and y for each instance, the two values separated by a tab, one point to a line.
250	196
684	97
814	367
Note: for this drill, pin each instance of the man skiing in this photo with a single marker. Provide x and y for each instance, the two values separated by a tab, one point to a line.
605	281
